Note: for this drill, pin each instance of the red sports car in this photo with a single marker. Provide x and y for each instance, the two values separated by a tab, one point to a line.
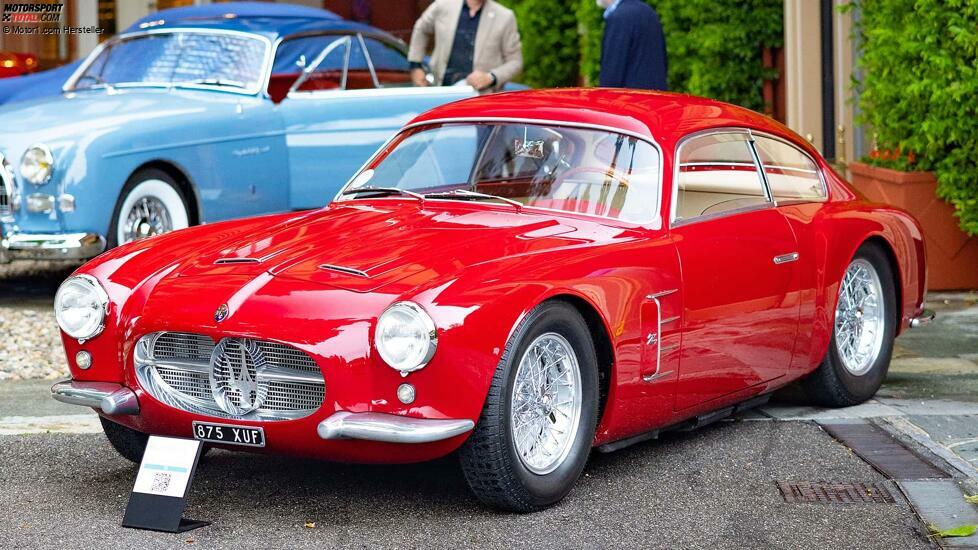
518	277
17	64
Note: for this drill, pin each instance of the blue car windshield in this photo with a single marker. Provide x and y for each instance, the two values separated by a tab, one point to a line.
233	61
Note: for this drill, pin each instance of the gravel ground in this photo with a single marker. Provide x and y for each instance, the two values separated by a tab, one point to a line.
714	489
31	347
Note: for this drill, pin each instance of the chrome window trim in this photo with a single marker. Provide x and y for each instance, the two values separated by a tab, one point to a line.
346	40
656	213
818	169
370	62
461	91
264	70
679	222
399	45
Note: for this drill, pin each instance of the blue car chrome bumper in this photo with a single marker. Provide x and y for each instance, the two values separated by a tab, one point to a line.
45	246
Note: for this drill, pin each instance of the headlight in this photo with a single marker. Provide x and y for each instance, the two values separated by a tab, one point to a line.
36	164
80	306
406	337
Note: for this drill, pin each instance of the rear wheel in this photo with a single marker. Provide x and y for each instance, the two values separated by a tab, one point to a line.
129	443
862	338
535	432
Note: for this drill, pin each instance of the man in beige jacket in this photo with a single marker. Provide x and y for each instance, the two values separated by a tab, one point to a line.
475	40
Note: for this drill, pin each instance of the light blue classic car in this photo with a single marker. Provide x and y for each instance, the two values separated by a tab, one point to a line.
199	121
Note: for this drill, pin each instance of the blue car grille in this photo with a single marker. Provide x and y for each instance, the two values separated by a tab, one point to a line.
6	187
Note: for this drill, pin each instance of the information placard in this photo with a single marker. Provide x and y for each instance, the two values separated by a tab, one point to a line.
158	497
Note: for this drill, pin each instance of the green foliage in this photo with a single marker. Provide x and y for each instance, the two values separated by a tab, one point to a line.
549	34
962	531
714	46
920	91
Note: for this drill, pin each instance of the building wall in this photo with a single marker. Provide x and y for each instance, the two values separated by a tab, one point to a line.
821	99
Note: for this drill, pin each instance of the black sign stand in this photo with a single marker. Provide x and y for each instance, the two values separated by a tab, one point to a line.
162	513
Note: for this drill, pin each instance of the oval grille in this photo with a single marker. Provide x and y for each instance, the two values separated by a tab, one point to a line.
234	378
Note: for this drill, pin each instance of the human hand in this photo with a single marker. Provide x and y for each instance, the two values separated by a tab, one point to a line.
418	77
479	80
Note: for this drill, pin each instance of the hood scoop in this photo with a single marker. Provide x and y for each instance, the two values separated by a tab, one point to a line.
344	269
235	261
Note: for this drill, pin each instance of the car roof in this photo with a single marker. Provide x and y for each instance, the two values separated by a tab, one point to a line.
665	117
270	20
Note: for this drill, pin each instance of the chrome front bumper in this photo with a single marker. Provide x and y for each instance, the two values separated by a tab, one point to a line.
114	398
390	428
44	246
924	319
111	398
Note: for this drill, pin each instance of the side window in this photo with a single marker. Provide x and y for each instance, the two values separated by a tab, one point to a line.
791	174
390	64
717	173
294	55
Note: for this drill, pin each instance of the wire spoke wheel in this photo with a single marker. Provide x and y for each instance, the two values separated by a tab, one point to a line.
148	217
860	317
546	403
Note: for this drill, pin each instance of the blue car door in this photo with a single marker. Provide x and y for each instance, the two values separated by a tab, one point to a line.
342	96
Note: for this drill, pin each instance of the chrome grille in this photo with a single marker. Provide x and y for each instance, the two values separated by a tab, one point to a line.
182	370
6	186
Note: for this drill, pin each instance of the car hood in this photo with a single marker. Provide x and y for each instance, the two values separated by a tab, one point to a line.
62	119
363	246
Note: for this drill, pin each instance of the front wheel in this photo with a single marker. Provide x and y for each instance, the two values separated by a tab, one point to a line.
150	204
862	338
129	443
537	425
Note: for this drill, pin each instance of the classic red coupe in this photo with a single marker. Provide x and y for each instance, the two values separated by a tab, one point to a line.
520	278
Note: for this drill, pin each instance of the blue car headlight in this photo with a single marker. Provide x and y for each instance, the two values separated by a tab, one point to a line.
37	164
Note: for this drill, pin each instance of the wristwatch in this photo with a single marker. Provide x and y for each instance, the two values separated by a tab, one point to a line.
494	80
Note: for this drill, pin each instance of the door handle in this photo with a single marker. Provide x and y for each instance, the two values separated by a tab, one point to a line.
786	258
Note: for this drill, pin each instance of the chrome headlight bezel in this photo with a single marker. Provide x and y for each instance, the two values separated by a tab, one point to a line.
99	298
37	164
410	312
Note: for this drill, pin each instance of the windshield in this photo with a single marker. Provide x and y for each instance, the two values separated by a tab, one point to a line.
231	61
569	169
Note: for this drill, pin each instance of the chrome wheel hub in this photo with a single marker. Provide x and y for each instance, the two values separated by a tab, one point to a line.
146	218
860	317
546	403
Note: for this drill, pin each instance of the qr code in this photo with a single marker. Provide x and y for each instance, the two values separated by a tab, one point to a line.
161	482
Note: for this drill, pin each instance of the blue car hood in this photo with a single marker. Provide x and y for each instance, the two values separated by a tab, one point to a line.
79	118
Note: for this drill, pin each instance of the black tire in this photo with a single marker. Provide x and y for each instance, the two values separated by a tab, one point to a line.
134	181
832	385
493	469
129	443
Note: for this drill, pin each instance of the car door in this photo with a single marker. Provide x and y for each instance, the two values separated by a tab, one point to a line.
798	188
345	108
737	255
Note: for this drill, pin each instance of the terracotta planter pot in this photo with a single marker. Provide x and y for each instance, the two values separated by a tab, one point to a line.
952	257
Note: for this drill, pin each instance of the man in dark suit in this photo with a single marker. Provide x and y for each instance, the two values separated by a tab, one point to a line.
633	52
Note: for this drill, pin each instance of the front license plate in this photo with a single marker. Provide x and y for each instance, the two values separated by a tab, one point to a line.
229	435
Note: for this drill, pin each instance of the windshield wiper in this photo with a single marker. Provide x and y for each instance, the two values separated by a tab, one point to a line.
216	82
384	191
465	194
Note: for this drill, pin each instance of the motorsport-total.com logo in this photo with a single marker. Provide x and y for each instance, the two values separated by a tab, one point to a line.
32	13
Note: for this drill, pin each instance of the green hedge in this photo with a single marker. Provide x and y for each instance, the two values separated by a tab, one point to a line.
920	92
714	46
550	42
